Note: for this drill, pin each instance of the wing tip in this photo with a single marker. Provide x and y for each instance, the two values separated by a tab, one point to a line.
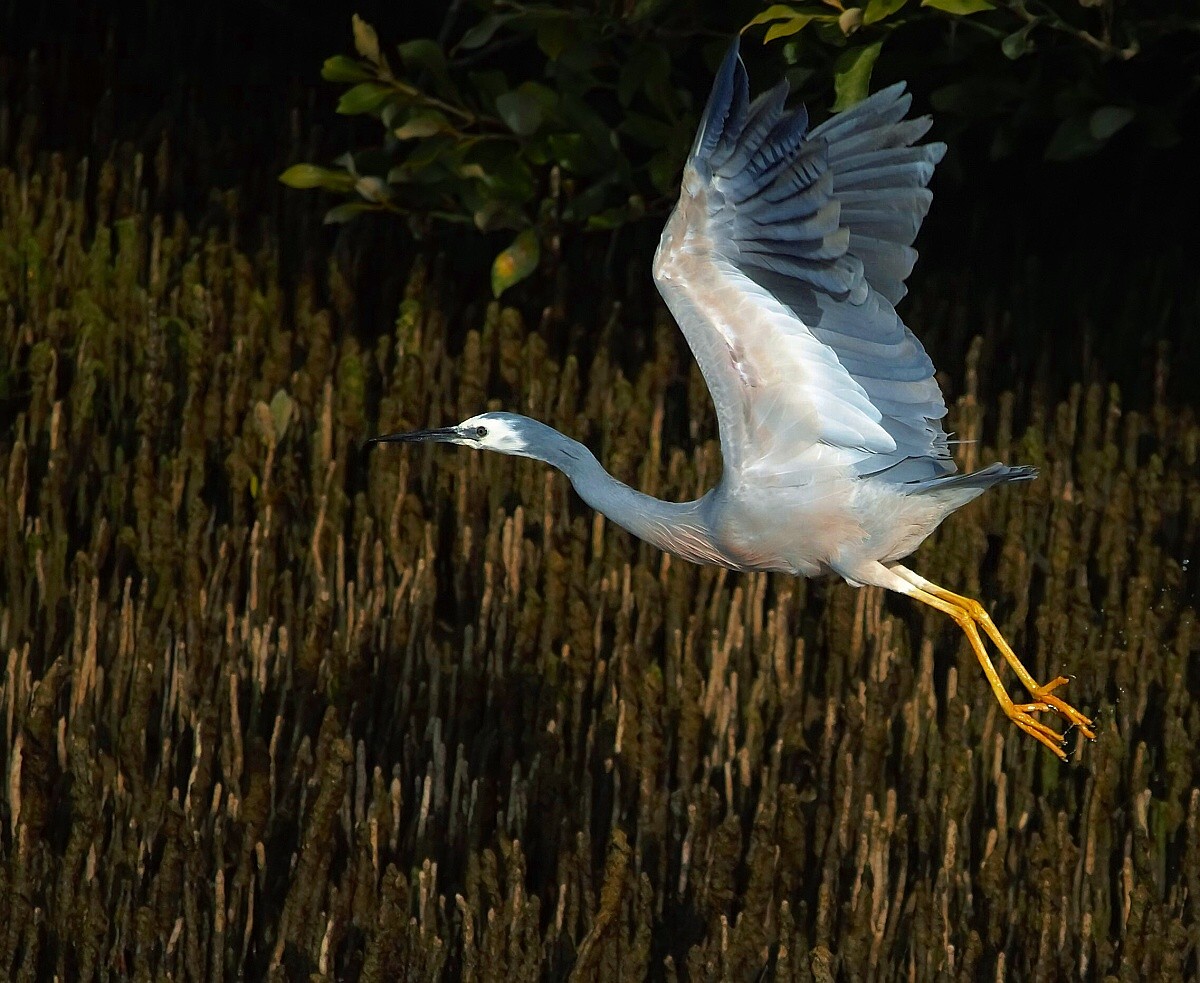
730	76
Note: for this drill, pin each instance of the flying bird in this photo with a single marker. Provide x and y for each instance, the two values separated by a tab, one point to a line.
782	263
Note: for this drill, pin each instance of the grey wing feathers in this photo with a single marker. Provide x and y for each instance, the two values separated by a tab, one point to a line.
824	221
880	181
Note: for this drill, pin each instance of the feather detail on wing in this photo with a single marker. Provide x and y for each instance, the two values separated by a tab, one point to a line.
781	263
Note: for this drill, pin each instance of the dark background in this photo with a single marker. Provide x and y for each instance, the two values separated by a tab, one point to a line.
1076	273
235	90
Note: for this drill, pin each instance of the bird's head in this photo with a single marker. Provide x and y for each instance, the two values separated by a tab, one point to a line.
507	433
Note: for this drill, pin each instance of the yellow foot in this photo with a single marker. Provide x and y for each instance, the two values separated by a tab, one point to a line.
1021	714
1045	700
971	617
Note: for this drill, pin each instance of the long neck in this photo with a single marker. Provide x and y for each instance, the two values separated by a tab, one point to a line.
678	528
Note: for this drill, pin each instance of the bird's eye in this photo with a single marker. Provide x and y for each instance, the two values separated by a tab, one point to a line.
481	432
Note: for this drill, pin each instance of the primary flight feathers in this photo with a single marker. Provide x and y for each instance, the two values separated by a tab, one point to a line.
799	241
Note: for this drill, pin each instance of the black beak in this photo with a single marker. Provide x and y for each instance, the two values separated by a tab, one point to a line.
439	434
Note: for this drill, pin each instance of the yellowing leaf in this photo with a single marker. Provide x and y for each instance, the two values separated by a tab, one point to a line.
516	262
785	29
959	7
778	11
372	188
423	123
878	10
850	20
366	41
342	68
311	176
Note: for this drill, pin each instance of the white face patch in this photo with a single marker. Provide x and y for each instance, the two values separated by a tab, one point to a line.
499	434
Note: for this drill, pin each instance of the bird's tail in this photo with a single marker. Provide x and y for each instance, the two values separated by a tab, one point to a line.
994	474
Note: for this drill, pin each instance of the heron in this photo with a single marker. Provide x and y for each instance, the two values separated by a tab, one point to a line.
782	263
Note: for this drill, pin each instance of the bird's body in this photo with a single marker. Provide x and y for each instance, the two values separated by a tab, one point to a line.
781	263
833	525
830	523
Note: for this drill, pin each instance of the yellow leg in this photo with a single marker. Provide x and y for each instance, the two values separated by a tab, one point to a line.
969	613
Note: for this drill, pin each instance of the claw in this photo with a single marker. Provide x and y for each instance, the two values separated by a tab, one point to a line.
1045	702
1064	709
1038	731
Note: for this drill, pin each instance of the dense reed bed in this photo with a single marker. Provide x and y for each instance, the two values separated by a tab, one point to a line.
275	708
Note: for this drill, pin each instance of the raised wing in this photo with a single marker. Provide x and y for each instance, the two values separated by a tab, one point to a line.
781	263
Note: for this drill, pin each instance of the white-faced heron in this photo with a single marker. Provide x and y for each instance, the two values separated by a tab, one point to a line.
782	262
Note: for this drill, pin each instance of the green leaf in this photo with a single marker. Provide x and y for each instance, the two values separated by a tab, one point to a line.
1085	132
366	41
592	199
582	118
647	70
516	262
524	108
794	25
1107	120
521	112
1019	42
978	97
852	75
502	167
343	213
311	176
422	123
555	36
878	10
493	215
425	153
610	218
1072	139
482	33
647	130
573	153
664	169
423	53
645	9
960	8
366	97
282	408
778	11
343	68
